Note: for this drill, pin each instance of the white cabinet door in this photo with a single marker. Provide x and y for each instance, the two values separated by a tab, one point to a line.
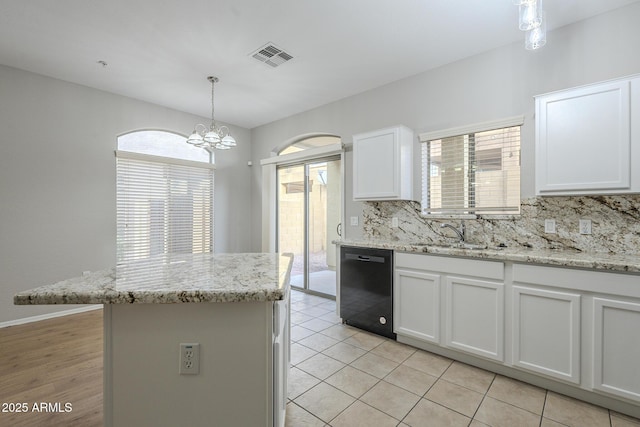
475	316
546	332
584	140
616	341
383	164
416	305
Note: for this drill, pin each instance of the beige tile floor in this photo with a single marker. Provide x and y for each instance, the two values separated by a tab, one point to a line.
342	376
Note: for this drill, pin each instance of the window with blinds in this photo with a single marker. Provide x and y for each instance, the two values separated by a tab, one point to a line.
164	206
472	172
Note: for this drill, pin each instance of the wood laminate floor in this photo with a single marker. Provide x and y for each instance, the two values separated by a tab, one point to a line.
49	364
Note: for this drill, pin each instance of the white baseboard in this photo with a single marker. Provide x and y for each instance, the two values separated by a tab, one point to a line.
50	315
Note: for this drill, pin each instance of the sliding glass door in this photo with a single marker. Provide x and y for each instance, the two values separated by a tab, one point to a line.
309	205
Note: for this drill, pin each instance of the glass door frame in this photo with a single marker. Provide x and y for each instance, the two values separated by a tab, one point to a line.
306	163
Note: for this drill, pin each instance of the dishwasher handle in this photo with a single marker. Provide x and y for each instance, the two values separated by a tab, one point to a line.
365	258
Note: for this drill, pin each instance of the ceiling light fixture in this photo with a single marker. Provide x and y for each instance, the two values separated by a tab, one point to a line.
536	37
529	14
216	137
532	19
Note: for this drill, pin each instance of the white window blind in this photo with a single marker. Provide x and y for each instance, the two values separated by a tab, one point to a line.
471	172
164	206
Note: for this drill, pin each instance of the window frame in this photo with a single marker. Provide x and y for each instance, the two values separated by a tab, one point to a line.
462	131
147	149
168	165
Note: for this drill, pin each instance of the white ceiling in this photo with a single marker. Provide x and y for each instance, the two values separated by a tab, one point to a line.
162	51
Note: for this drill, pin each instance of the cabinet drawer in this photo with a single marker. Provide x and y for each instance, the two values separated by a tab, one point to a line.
580	280
450	265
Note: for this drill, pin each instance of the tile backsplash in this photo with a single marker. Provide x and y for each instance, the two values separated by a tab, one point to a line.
615	223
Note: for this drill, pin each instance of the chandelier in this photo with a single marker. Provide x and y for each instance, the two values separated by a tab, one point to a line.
217	137
532	19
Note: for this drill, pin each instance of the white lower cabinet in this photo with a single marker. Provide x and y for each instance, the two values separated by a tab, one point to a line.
616	347
546	332
564	317
475	316
576	329
417	305
472	314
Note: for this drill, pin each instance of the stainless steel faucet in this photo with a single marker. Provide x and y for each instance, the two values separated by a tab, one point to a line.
461	232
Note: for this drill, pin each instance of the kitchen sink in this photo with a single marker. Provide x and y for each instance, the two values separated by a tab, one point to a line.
472	246
457	245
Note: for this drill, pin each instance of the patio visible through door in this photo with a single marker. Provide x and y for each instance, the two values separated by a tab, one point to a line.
309	203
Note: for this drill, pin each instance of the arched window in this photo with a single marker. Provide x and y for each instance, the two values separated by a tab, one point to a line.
311	142
162	143
164	196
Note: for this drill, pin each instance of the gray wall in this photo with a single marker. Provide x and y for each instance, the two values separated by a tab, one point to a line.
57	169
58	183
493	85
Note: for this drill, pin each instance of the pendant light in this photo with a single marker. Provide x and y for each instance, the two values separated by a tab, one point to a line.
536	37
216	137
532	19
530	14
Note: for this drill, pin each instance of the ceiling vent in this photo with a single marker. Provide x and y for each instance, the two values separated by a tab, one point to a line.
271	55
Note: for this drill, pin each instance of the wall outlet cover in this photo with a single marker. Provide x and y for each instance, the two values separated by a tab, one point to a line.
189	359
585	226
550	226
354	221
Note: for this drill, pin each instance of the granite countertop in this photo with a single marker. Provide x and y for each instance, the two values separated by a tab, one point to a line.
179	279
554	257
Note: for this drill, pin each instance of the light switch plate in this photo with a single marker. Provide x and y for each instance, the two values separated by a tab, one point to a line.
354	221
394	222
550	226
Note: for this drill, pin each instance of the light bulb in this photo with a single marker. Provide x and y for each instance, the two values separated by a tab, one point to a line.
530	15
229	141
536	37
195	138
212	137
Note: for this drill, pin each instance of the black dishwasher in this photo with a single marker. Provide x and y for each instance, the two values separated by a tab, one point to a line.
366	289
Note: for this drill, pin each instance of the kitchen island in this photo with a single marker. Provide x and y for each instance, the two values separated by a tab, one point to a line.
235	306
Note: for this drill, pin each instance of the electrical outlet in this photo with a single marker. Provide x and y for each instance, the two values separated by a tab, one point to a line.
550	226
585	226
189	359
394	222
354	221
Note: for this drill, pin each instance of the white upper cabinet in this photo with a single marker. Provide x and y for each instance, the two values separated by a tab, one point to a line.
588	139
383	164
